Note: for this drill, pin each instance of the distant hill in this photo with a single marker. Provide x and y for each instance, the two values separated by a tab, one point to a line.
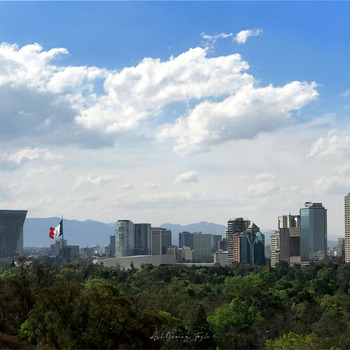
203	226
90	233
82	233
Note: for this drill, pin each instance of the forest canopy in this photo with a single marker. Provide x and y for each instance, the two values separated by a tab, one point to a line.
86	306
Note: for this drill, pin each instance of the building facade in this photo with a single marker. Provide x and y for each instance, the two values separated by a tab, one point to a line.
143	239
124	238
347	227
252	246
313	232
11	232
161	240
186	239
341	249
202	244
234	226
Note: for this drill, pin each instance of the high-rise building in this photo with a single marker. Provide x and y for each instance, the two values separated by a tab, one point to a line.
289	237
142	239
347	227
234	226
112	245
341	248
215	243
186	239
11	232
313	232
236	238
275	248
166	240
237	225
202	244
124	238
252	246
161	240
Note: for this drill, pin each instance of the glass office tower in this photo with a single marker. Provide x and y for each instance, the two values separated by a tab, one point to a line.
11	232
313	232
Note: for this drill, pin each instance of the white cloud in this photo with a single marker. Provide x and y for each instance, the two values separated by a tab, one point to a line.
190	176
216	36
40	99
28	153
151	185
165	197
62	105
262	185
211	39
127	186
243	35
242	115
138	92
333	145
96	180
335	181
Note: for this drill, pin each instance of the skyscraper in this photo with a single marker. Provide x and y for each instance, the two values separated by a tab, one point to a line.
347	227
186	239
202	246
124	238
234	226
161	240
313	232
11	232
143	239
252	246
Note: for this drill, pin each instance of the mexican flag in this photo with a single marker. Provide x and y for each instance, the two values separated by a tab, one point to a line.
57	231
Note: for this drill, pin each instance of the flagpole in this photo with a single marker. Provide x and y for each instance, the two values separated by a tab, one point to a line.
63	250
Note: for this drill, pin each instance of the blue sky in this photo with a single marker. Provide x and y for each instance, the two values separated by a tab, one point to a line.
143	114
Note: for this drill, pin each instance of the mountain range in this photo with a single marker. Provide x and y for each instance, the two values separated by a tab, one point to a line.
90	233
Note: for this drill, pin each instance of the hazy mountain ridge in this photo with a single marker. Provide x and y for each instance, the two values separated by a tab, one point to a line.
82	233
90	232
203	226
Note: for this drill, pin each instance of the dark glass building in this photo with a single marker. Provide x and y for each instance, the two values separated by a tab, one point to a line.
11	232
313	232
186	239
237	225
252	246
142	239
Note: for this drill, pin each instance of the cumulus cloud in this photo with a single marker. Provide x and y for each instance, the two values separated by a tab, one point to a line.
28	154
336	181
138	92
40	99
171	197
243	35
333	145
61	104
190	176
242	115
262	184
96	180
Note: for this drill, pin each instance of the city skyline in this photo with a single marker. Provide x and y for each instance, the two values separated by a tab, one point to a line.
175	112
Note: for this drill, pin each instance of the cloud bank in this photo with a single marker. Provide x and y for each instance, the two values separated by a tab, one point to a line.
45	102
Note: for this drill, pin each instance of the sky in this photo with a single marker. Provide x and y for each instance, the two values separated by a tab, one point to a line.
175	112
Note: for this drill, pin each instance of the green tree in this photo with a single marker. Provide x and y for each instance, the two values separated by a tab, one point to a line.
293	341
232	325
